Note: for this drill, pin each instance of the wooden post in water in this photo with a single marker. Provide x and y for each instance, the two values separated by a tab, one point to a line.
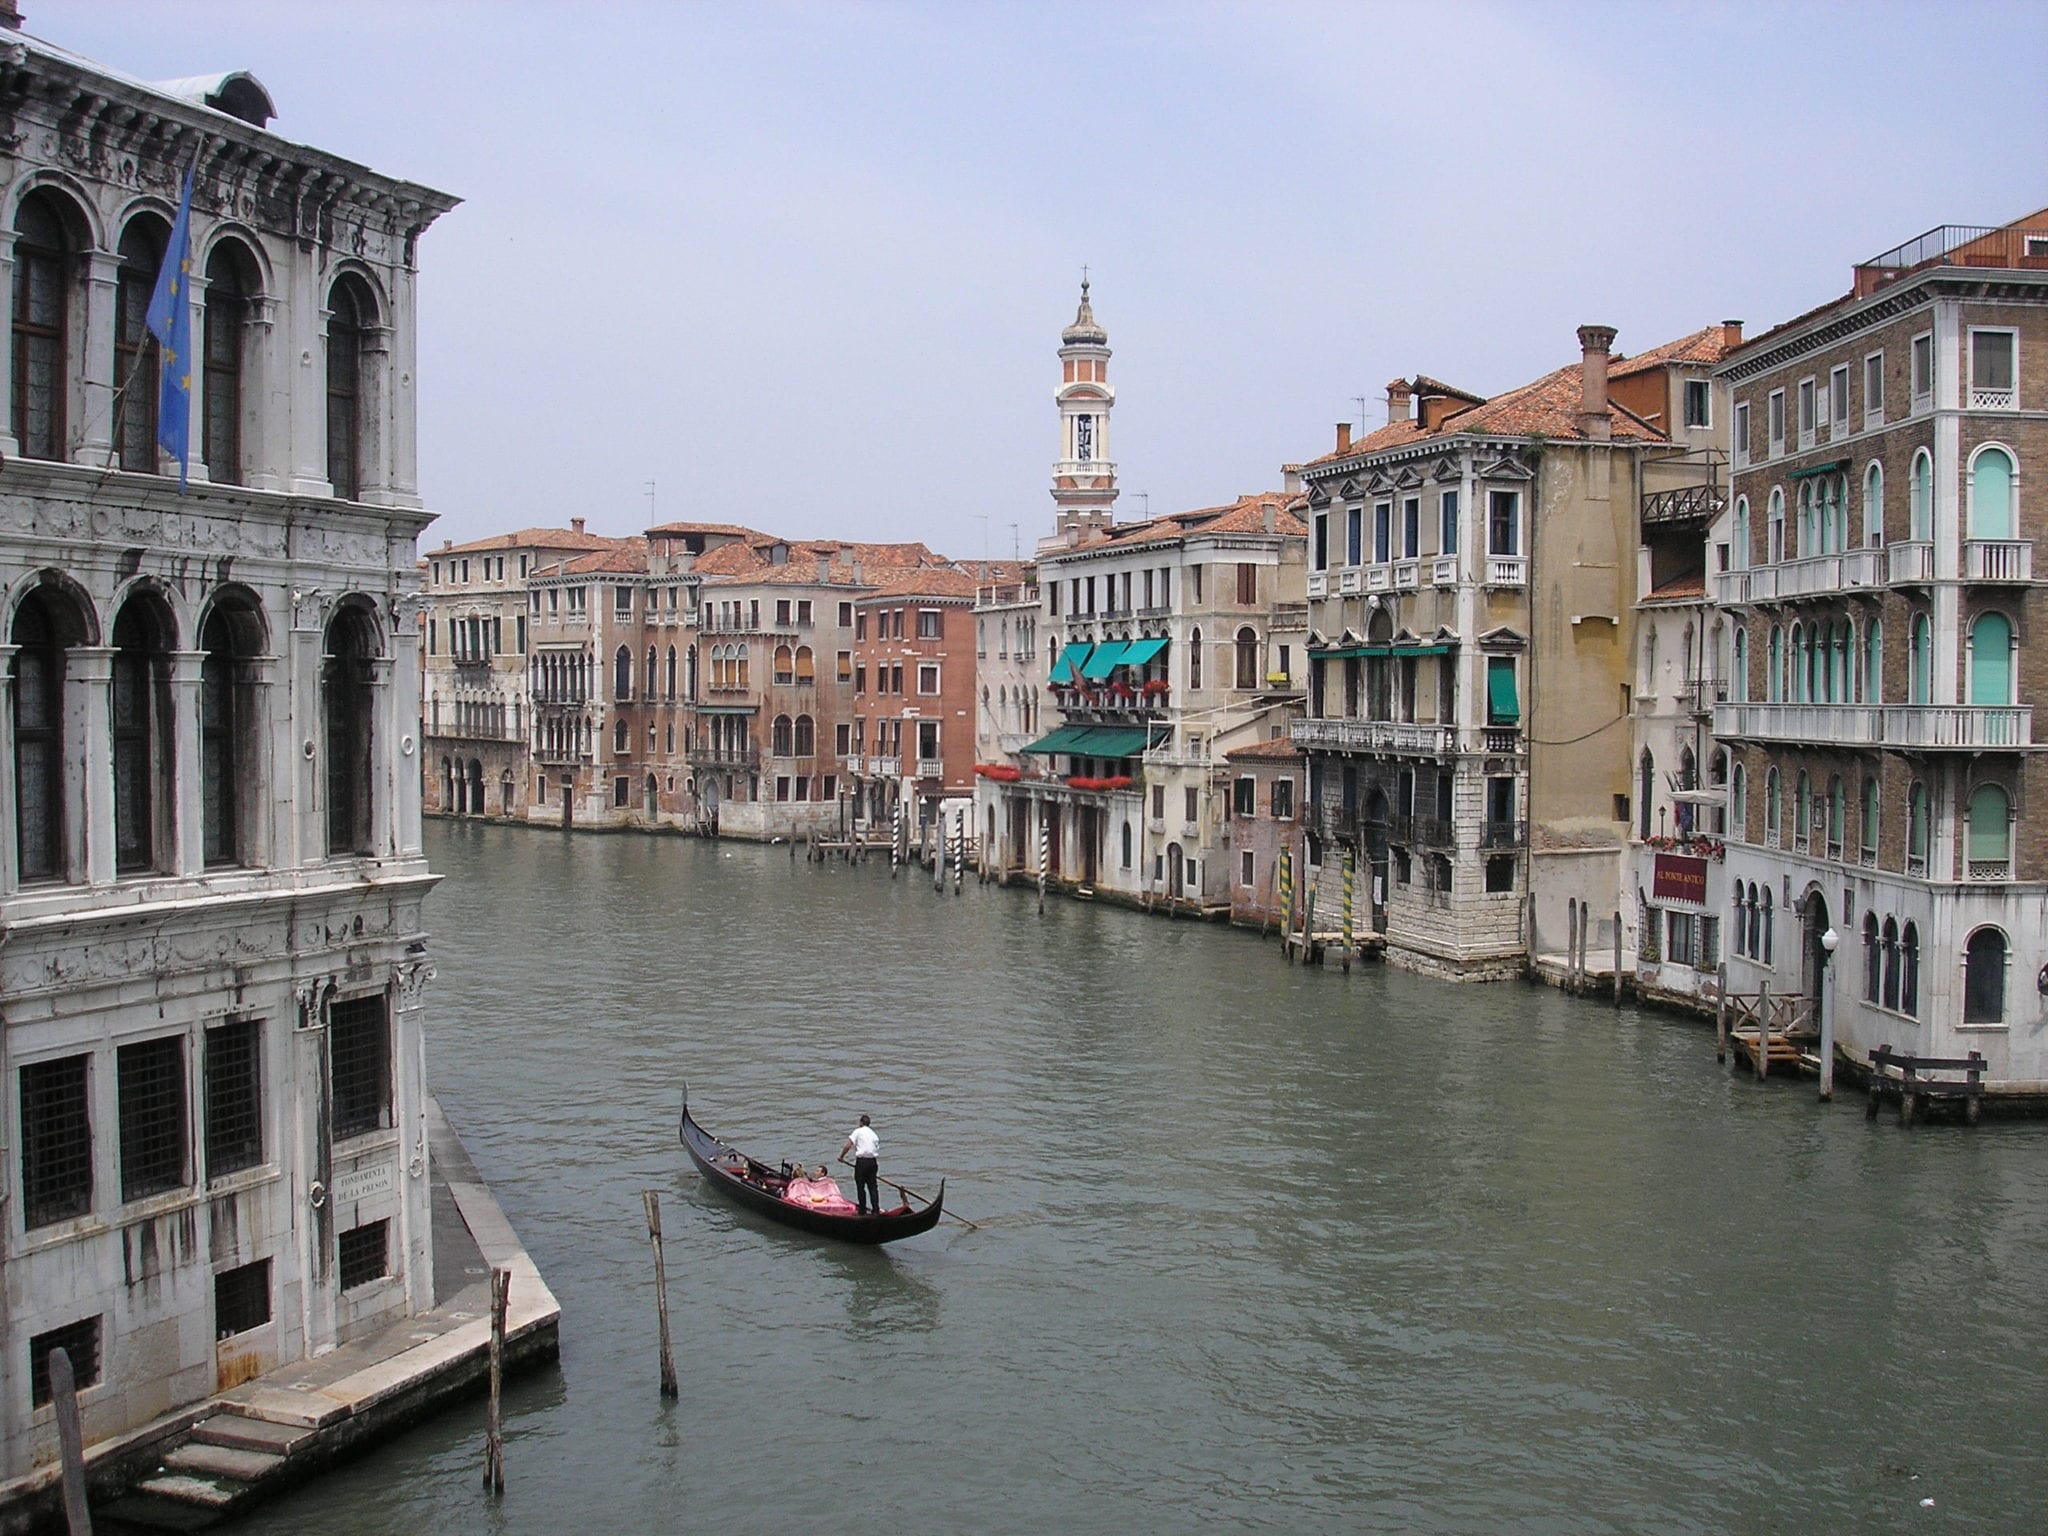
895	836
1721	1012
1044	855
959	850
1763	1030
1350	882
70	1442
1827	1025
1617	959
494	1428
1571	945
1308	925
652	1202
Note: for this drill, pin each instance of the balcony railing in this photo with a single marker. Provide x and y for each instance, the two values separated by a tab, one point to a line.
1910	562
1503	834
1375	736
931	768
1988	869
1958	245
1703	693
886	767
1507	571
1501	740
1966	727
1998	560
1443	571
1408	574
1699	504
727	757
1318	583
1421	832
1350	579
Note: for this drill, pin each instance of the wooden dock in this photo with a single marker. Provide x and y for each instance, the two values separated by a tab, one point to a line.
1769	1032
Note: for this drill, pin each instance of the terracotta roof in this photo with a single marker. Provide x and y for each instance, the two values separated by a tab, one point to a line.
628	557
1706	345
926	583
1245	515
911	554
1275	749
530	538
730	530
1423	384
1694	585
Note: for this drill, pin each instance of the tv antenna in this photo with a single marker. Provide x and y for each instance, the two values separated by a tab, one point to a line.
1361	399
650	502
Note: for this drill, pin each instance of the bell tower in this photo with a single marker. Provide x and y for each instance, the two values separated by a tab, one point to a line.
1083	478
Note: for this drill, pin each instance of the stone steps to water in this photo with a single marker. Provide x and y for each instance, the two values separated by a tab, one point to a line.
240	1432
138	1514
216	1465
205	1459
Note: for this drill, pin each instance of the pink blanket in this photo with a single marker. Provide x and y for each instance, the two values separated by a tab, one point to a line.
819	1195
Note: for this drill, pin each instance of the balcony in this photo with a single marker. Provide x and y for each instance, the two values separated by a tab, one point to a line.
931	768
1689	505
1956	245
726	757
886	767
1499	836
1998	560
1375	736
1936	727
1350	579
1703	693
1910	563
1811	576
1507	571
1502	740
1443	571
1318	584
1422	832
1408	575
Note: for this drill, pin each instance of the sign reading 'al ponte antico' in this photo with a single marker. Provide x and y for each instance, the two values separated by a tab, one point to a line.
1678	877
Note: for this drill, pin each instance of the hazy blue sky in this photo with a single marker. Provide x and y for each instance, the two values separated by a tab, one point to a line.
805	266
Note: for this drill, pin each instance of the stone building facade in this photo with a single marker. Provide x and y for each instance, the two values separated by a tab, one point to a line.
1881	600
1264	821
212	959
912	740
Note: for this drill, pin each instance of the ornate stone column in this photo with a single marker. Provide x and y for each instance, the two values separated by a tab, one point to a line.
266	434
10	850
9	447
92	362
89	776
386	728
188	818
409	1055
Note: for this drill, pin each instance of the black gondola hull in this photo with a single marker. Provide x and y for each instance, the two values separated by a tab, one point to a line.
716	1161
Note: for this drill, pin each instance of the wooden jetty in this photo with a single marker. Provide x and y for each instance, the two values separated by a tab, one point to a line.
1770	1031
1918	1082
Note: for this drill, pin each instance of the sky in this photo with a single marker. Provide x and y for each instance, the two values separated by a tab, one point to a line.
804	266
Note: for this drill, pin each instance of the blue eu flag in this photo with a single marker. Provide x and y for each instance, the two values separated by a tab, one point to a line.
170	321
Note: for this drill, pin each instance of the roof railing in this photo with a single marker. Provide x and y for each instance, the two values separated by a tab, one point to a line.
1956	245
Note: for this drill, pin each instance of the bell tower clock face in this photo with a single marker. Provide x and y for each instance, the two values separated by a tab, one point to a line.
1084	437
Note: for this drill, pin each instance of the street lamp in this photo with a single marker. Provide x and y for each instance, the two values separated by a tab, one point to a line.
1829	943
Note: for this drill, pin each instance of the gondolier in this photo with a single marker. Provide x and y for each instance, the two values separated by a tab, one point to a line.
866	1148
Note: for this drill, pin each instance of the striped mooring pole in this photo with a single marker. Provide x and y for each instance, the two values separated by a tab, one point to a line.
1286	895
1350	884
895	836
1044	854
959	850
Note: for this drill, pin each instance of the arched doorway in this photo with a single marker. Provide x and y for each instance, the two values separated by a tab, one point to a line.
1377	817
477	807
1175	862
1813	922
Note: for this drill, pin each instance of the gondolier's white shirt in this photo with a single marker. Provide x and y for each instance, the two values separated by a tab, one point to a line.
865	1142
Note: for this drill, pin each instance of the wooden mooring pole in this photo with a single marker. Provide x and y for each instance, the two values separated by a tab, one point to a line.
652	1201
1721	1013
494	1424
1617	958
1571	944
1763	1030
70	1442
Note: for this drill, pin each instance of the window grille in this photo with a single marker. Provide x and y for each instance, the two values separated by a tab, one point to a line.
80	1342
151	1078
362	1254
359	1051
241	1299
56	1141
234	1097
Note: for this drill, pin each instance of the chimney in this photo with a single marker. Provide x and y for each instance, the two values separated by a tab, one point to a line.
10	15
1290	477
1272	518
1595	342
575	525
1343	435
1731	335
447	543
1399	394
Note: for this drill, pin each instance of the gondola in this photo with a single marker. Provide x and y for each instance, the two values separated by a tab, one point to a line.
758	1187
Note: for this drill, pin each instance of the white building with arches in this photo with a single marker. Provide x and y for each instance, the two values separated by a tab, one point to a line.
212	961
1875	571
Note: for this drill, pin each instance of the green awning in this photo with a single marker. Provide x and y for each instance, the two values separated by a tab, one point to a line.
1828	468
1103	660
1064	739
1434	648
1502	707
1113	741
1345	653
1138	652
1068	668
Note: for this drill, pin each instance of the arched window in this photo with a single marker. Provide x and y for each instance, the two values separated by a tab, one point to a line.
1892	957
619	736
230	285
1873	662
1195	660
1916	829
1990	833
1920	662
1756	924
135	350
1991	659
1802	809
1920	498
1838	814
1873	505
782	737
1738	804
622	674
1797	693
1873	960
670	690
1126	841
1991	499
1738	679
347	701
1772	820
351	313
1775	532
142	735
653	682
229	733
44	257
1774	679
1909	971
1769	938
806	666
785	666
1868	846
46	626
1984	977
1247	659
806	736
1646	784
743	681
1738	544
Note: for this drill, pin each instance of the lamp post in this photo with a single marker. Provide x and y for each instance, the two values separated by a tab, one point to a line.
1829	943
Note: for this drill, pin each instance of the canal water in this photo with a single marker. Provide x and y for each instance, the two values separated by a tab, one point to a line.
1262	1249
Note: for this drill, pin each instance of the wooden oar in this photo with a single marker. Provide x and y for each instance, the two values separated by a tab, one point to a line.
911	1194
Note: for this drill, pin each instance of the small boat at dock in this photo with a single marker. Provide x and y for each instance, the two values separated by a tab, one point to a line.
767	1189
